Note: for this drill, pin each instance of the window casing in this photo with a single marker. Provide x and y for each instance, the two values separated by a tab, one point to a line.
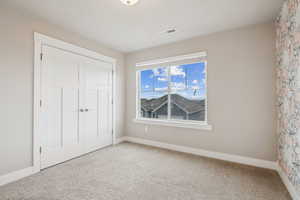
173	93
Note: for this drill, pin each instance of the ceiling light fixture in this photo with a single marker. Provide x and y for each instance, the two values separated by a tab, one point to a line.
129	2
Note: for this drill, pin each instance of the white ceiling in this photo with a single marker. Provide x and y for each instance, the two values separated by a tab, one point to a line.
141	26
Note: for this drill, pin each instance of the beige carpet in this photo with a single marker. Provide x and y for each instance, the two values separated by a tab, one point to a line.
135	172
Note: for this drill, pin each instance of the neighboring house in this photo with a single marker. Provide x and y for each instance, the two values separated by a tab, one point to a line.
181	108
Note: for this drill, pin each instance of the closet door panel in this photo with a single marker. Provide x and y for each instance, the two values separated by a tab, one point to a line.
98	102
70	116
91	116
59	112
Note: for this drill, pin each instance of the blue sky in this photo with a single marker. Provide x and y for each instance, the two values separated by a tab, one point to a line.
186	80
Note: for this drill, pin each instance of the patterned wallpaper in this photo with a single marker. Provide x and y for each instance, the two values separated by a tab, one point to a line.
288	89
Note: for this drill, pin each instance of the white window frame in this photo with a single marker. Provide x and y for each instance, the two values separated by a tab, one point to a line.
203	125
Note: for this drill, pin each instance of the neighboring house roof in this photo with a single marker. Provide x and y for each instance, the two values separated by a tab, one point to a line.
188	105
153	104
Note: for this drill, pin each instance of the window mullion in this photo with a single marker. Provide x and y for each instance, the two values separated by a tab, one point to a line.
169	93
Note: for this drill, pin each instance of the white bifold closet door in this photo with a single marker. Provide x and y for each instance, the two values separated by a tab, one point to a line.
76	110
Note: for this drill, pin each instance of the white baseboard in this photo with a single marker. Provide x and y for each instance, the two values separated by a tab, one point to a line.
210	154
119	140
288	184
14	176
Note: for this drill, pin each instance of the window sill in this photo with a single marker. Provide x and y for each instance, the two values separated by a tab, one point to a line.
180	124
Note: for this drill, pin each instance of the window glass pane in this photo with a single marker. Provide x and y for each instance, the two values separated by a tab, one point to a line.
154	93
160	79
154	80
147	81
188	101
178	77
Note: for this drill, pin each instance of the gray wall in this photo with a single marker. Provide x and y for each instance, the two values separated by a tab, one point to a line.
16	83
241	93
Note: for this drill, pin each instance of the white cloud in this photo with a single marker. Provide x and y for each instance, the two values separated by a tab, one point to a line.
177	71
160	89
195	81
147	86
177	86
162	79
